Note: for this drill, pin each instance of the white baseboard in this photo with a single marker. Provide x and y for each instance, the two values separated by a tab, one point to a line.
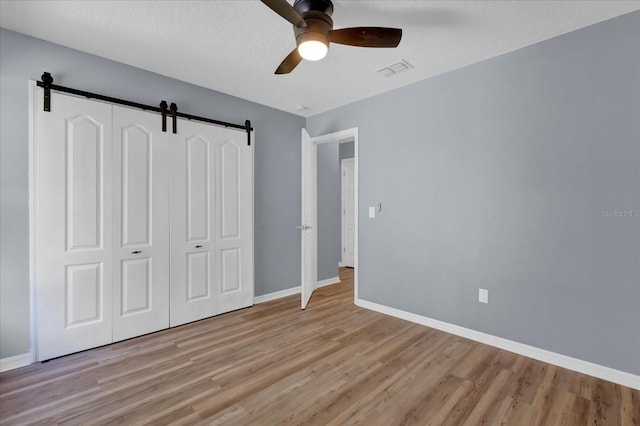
276	295
293	290
15	361
581	366
328	281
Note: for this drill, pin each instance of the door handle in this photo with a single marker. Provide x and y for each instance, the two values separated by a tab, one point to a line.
136	252
303	227
198	246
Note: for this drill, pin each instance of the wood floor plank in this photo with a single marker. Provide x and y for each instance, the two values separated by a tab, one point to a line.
331	364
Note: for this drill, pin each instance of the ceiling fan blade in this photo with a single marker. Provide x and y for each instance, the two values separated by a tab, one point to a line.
367	36
284	9
290	62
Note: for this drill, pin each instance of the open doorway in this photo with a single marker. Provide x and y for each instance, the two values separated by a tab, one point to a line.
329	239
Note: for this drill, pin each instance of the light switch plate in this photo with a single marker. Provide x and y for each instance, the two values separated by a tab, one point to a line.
372	212
483	295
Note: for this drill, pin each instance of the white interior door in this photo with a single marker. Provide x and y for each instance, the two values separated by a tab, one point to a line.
309	219
211	222
193	183
73	224
141	224
348	212
234	224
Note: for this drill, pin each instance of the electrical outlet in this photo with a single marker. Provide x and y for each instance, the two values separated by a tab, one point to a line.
483	295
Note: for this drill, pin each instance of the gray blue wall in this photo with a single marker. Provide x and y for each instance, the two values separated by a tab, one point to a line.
277	164
504	175
346	150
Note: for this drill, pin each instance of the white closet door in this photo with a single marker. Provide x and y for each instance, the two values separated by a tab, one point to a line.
211	222
234	249
141	224
73	224
193	183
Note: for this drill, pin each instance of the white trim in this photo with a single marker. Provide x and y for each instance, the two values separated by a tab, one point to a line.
341	136
291	291
564	361
32	221
342	214
328	281
356	270
276	295
252	140
15	361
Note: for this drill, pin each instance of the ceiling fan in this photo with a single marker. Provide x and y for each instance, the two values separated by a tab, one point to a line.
313	28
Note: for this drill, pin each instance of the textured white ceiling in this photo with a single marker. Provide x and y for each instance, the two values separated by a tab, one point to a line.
235	46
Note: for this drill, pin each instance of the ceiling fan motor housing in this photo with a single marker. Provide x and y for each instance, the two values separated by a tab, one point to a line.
324	6
317	15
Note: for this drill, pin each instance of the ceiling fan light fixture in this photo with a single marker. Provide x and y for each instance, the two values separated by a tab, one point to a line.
313	28
313	50
313	46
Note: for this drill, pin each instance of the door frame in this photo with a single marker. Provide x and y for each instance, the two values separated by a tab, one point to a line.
343	136
33	317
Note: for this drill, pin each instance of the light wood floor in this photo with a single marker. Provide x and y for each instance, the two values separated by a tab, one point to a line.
334	364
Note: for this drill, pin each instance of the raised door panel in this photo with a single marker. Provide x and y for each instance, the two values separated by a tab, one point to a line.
84	180
84	288
141	218
136	183
73	224
235	226
230	168
193	261
198	276
198	187
136	284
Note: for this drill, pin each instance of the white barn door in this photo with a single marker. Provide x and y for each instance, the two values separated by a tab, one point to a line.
72	217
234	227
141	224
135	230
211	222
193	182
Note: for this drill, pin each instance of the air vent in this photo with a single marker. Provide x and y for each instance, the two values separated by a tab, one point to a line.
395	68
